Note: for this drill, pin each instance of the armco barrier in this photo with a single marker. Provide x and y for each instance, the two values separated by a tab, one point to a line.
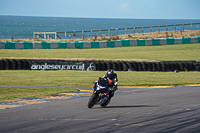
100	44
165	66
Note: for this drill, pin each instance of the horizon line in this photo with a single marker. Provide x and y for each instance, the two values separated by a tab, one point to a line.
102	17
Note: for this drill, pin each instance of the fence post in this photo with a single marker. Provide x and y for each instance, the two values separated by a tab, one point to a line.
142	29
125	31
175	28
158	28
166	28
45	35
183	27
38	36
34	35
48	37
150	29
100	33
191	26
91	33
55	35
82	34
117	31
134	30
65	35
108	32
74	35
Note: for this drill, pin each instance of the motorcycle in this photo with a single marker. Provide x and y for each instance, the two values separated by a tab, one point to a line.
100	94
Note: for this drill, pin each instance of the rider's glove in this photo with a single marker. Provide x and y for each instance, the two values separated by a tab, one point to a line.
112	89
115	88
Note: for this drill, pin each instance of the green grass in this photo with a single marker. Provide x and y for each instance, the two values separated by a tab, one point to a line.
7	93
157	53
86	78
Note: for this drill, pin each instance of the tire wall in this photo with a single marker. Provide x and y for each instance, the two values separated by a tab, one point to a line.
165	66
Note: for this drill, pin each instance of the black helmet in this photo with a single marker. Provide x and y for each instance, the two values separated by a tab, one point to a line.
110	73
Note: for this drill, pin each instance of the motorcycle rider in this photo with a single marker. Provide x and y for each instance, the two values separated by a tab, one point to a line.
112	76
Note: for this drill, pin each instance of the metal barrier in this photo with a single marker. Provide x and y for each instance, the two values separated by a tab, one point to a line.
113	32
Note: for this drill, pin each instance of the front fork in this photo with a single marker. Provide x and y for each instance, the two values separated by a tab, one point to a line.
103	97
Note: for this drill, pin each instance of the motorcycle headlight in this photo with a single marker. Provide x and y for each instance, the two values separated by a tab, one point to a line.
98	88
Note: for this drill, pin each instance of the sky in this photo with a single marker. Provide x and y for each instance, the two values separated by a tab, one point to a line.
134	9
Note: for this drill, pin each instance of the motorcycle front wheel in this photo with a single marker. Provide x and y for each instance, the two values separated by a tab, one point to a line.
92	101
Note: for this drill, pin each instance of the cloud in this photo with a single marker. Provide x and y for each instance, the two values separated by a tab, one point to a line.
125	8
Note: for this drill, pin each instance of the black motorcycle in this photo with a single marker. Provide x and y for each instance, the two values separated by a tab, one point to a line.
100	94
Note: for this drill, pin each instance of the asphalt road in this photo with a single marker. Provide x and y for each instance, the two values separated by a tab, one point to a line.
132	110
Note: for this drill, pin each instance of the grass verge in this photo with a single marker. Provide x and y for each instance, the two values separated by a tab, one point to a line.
86	78
179	52
7	93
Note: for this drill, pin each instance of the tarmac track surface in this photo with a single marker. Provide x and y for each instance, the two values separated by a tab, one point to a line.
132	110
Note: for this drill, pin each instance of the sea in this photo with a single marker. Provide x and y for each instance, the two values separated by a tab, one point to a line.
21	27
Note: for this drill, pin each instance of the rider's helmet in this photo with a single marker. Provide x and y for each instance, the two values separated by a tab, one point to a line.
110	73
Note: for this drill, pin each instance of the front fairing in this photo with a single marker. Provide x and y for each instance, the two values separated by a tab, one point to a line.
100	88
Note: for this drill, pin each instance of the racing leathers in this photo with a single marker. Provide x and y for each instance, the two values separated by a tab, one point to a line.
113	85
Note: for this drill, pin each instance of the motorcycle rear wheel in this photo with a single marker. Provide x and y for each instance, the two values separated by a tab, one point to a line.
92	101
